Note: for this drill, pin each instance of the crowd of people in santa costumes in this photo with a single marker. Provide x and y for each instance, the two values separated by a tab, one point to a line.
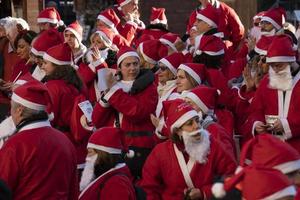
145	113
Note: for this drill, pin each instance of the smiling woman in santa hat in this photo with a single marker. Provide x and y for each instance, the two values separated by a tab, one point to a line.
184	166
64	86
128	103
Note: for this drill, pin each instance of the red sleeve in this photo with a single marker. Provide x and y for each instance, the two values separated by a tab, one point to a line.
102	115
234	24
9	166
224	165
128	31
137	107
152	181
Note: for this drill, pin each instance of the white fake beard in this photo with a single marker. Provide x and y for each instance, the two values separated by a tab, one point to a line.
197	149
88	172
200	115
282	80
7	128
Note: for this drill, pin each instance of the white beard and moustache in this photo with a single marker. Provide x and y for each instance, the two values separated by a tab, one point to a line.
282	80
88	172
197	149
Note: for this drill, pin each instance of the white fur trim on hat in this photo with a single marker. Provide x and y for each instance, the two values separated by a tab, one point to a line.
36	52
47	20
35	106
55	61
260	51
167	42
77	35
288	191
288	166
184	118
281	59
106	21
218	190
207	20
127	54
104	148
125	2
190	72
198	101
212	53
147	58
169	65
158	21
275	24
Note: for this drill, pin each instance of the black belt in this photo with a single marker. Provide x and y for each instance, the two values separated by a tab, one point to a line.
139	133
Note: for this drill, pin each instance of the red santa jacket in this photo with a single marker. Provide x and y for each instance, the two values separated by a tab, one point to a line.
267	101
133	111
63	96
229	23
163	179
114	184
39	162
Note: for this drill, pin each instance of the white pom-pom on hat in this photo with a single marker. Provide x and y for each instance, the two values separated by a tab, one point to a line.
218	190
130	154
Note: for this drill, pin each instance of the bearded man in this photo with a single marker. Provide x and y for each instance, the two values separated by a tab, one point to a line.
106	176
274	106
185	166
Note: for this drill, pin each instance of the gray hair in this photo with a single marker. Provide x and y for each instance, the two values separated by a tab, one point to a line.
28	112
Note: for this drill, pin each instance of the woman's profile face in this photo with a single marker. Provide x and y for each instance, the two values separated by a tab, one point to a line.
182	81
48	67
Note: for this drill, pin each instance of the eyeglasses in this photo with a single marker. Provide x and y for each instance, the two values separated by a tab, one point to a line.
163	68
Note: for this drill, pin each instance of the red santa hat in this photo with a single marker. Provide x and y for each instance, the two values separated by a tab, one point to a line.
177	112
173	61
276	16
143	38
209	44
76	29
195	70
106	35
209	15
269	184
33	95
158	16
124	2
50	15
152	51
261	47
259	15
282	157
170	39
44	41
110	18
281	50
125	52
205	97
108	139
60	54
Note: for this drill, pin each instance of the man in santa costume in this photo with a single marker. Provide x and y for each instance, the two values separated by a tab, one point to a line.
272	21
49	18
273	106
228	21
185	165
106	176
38	162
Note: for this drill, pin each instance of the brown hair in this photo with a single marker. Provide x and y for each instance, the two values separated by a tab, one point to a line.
66	73
193	82
174	136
